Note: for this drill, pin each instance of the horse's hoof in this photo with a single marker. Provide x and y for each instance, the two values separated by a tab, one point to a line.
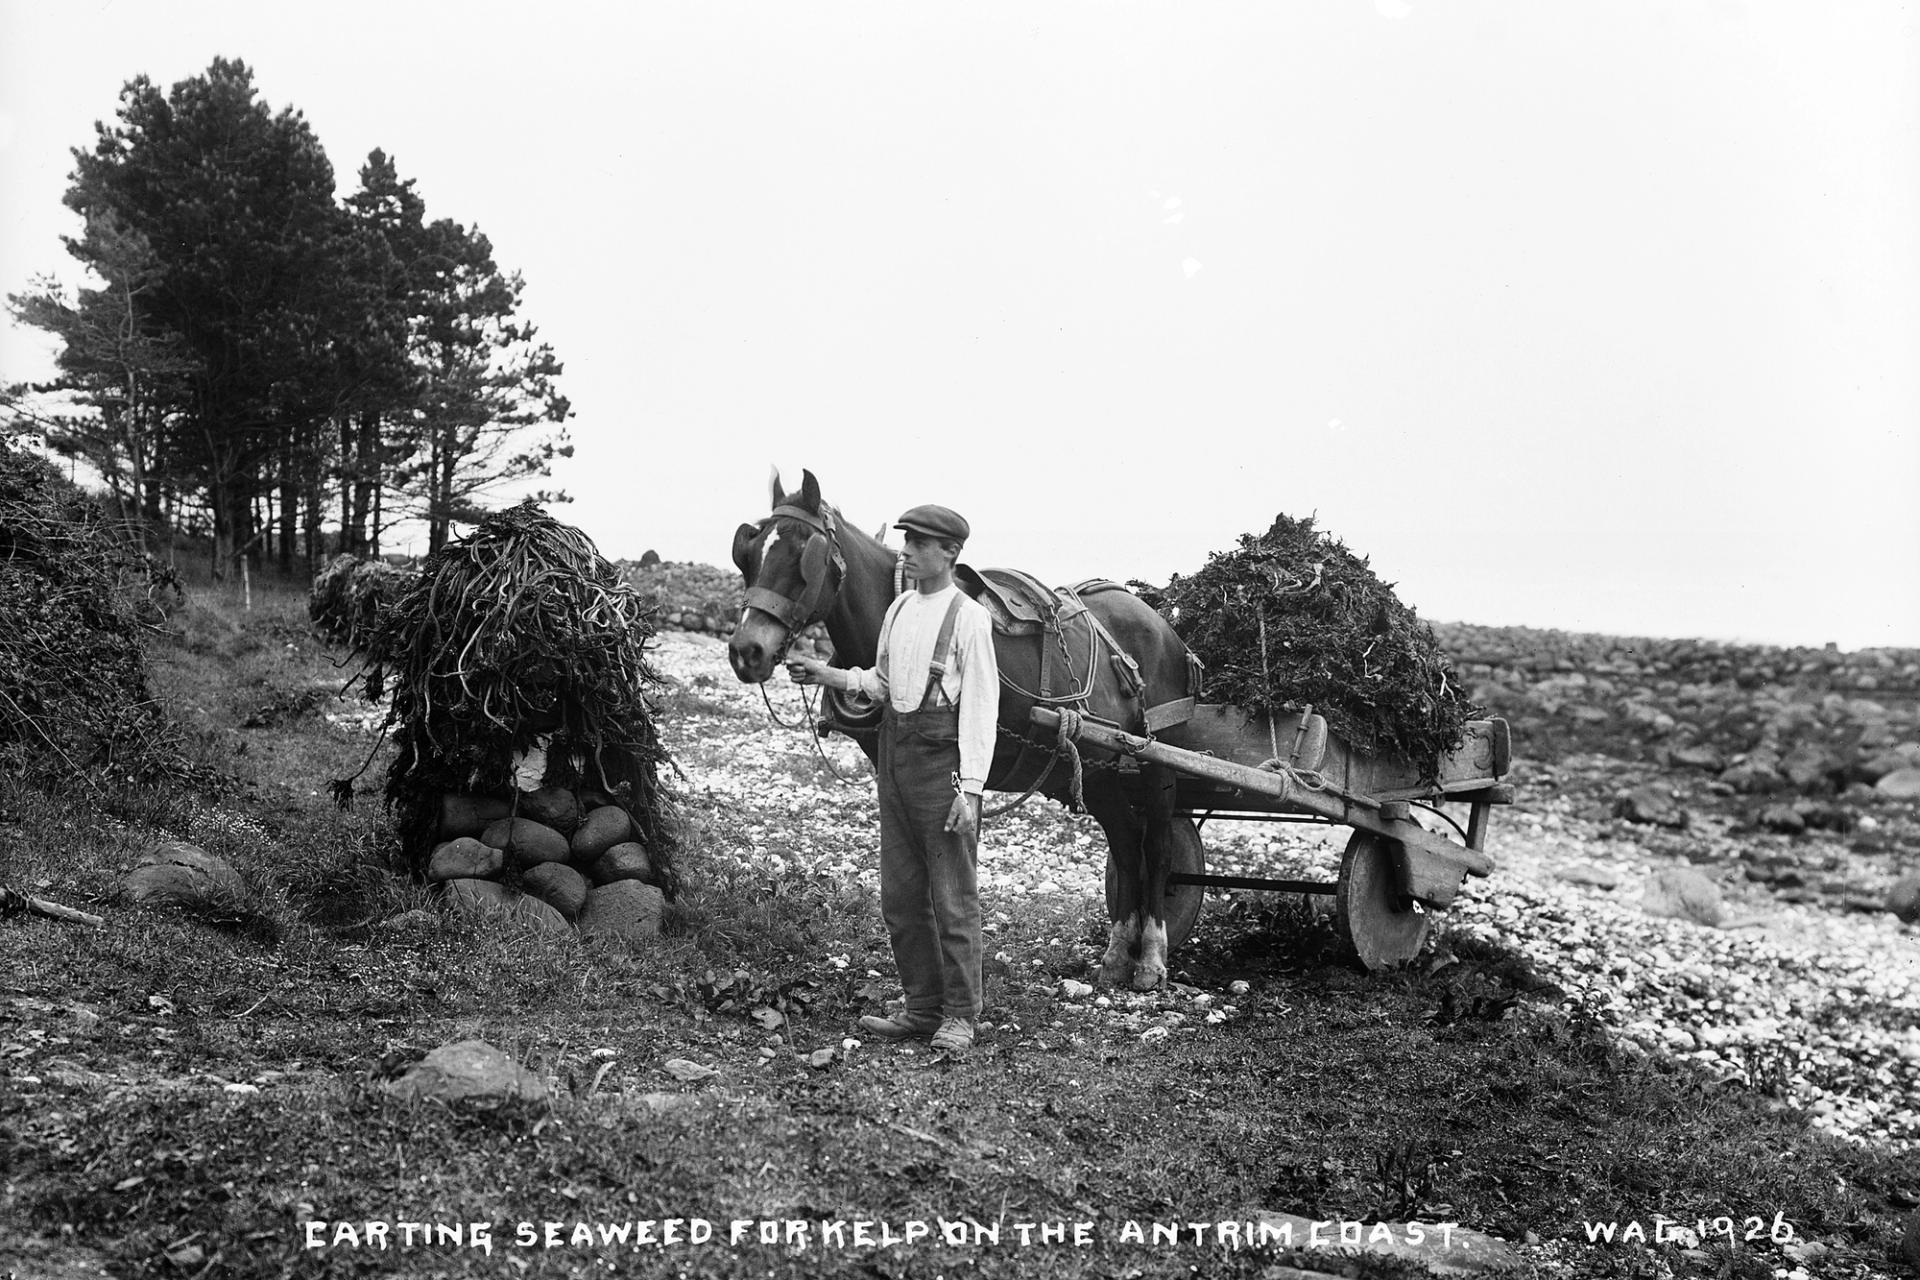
1115	974
1145	979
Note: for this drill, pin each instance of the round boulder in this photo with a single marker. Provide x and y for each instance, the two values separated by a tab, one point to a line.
1697	756
625	861
469	1071
1783	818
1903	899
175	871
623	909
555	807
1811	766
1901	784
1651	806
602	828
488	898
464	859
1684	894
559	886
526	842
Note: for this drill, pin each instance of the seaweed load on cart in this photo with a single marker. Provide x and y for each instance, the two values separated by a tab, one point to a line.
1292	619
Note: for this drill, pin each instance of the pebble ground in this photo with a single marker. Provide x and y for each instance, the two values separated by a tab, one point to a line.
1822	1005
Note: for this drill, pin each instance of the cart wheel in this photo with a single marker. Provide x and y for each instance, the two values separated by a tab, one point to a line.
1183	901
1384	925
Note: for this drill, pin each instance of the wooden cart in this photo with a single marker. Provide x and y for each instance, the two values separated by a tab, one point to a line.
1395	871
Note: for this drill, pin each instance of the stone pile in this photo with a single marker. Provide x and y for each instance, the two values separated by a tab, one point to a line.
1536	653
700	598
686	597
1801	738
563	860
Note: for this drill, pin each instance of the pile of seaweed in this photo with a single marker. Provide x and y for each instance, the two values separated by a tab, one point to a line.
348	594
75	696
515	645
1291	618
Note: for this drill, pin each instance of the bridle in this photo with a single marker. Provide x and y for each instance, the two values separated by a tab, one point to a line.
823	569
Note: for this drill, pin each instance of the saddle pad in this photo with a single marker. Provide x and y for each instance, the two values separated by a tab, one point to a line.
1019	603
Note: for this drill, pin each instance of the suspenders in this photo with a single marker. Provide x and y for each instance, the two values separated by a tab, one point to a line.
942	646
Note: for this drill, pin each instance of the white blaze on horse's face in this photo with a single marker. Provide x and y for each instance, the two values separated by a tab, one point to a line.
759	637
766	552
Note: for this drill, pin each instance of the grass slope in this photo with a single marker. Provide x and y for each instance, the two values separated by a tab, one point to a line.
186	1092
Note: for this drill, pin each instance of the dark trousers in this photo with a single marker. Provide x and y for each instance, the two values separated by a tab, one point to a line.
929	892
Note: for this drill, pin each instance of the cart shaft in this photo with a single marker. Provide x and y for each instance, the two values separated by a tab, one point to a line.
1434	875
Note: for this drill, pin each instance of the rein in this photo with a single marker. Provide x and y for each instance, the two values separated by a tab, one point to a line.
805	724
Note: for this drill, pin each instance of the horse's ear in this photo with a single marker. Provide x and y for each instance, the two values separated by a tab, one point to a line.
809	493
779	490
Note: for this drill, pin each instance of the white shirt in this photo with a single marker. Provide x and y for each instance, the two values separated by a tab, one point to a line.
905	660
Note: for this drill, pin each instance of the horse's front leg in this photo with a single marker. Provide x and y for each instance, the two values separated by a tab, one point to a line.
1156	858
1116	966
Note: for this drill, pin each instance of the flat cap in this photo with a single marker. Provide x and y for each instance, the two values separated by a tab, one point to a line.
935	522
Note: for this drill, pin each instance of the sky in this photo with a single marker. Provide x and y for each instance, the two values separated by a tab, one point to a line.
1589	317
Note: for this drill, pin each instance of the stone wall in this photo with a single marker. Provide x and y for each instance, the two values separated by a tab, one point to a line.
1755	720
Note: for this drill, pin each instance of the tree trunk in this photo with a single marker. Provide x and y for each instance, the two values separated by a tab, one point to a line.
379	492
316	499
440	487
289	517
137	471
346	481
366	476
223	540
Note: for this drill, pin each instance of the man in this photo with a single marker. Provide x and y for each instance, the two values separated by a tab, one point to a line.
939	684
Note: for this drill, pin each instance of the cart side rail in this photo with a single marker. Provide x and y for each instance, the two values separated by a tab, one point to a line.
1434	866
1301	739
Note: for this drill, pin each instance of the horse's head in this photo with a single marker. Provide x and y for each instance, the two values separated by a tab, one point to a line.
794	567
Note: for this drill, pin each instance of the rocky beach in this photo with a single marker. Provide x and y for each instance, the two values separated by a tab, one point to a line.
1713	852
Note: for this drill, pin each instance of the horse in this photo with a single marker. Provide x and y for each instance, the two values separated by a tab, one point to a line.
804	564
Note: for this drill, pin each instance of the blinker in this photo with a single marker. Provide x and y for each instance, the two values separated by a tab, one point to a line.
743	544
820	554
813	563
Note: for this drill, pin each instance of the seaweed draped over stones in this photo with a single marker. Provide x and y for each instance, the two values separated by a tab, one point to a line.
1291	618
518	648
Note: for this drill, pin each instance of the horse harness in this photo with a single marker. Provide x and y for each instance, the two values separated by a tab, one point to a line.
1020	605
821	554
